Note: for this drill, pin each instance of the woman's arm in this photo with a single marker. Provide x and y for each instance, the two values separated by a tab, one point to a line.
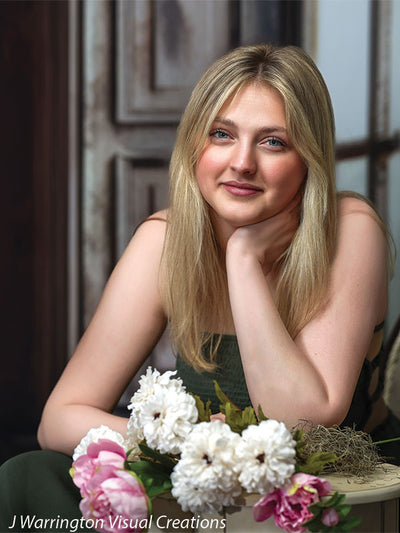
312	377
126	325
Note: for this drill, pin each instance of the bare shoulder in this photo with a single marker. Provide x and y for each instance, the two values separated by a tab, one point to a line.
358	218
356	215
152	230
351	205
362	250
145	247
159	215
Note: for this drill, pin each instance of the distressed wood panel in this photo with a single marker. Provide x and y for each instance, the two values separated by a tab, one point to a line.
158	54
141	188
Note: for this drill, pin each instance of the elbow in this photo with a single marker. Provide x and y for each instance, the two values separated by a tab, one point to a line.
321	410
330	415
41	435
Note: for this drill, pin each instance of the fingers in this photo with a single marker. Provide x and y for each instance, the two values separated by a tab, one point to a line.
218	416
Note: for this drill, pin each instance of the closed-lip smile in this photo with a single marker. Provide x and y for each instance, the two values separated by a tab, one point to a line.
238	188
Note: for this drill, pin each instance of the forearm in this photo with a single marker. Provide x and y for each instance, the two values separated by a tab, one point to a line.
61	429
279	376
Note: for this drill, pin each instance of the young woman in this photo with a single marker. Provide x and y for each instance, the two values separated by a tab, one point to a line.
271	281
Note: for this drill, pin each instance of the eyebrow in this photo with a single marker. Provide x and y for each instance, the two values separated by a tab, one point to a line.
264	130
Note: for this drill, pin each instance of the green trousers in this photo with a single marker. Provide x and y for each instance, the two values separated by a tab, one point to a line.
38	494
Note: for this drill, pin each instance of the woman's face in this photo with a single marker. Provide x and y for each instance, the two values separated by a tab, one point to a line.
249	169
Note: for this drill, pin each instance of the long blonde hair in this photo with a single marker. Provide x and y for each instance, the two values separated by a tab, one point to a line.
193	274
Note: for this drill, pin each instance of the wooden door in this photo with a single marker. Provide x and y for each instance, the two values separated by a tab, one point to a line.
141	59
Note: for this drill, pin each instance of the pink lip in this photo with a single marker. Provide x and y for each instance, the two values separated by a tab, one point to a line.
241	189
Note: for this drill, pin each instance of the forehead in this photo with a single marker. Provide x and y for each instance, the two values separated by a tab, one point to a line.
257	102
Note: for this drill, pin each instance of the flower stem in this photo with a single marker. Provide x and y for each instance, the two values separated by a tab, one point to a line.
387	440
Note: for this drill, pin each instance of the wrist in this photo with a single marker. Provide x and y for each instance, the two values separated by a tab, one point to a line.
240	252
241	257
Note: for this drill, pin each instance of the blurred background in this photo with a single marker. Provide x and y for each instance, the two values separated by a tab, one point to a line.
91	93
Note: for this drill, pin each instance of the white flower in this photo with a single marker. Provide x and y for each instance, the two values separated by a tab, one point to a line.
93	435
265	456
166	418
163	412
204	479
148	381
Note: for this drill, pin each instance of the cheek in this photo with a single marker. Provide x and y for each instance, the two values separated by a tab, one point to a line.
210	163
201	169
283	176
204	172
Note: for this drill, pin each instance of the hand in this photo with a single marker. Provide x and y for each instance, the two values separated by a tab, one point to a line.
268	239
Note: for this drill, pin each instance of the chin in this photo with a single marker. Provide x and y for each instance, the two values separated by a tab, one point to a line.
240	221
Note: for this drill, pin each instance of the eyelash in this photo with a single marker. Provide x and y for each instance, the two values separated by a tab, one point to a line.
214	133
275	139
217	131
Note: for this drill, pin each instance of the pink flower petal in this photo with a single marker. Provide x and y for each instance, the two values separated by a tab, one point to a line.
265	507
290	509
95	448
115	494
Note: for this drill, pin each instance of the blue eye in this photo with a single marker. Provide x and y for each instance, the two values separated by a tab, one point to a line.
274	142
219	134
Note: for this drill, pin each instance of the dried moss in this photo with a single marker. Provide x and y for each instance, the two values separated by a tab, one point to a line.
357	455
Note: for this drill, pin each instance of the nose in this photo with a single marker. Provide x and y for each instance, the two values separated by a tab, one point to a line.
243	159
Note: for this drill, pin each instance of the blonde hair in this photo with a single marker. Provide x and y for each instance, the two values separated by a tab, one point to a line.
194	280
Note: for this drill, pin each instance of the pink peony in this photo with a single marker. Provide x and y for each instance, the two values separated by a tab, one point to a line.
289	505
329	517
116	501
103	452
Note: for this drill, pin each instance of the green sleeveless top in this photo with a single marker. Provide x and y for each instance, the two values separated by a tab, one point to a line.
230	377
229	374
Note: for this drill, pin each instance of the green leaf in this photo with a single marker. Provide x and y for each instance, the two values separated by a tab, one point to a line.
129	452
167	462
343	511
261	415
155	479
204	411
239	420
298	436
317	513
223	398
233	418
316	507
248	417
335	500
350	523
314	526
315	463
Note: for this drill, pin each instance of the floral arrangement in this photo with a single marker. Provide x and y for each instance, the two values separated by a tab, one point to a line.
173	447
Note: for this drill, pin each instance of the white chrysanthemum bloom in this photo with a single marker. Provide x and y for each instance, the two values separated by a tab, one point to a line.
166	418
265	456
147	383
204	480
93	435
